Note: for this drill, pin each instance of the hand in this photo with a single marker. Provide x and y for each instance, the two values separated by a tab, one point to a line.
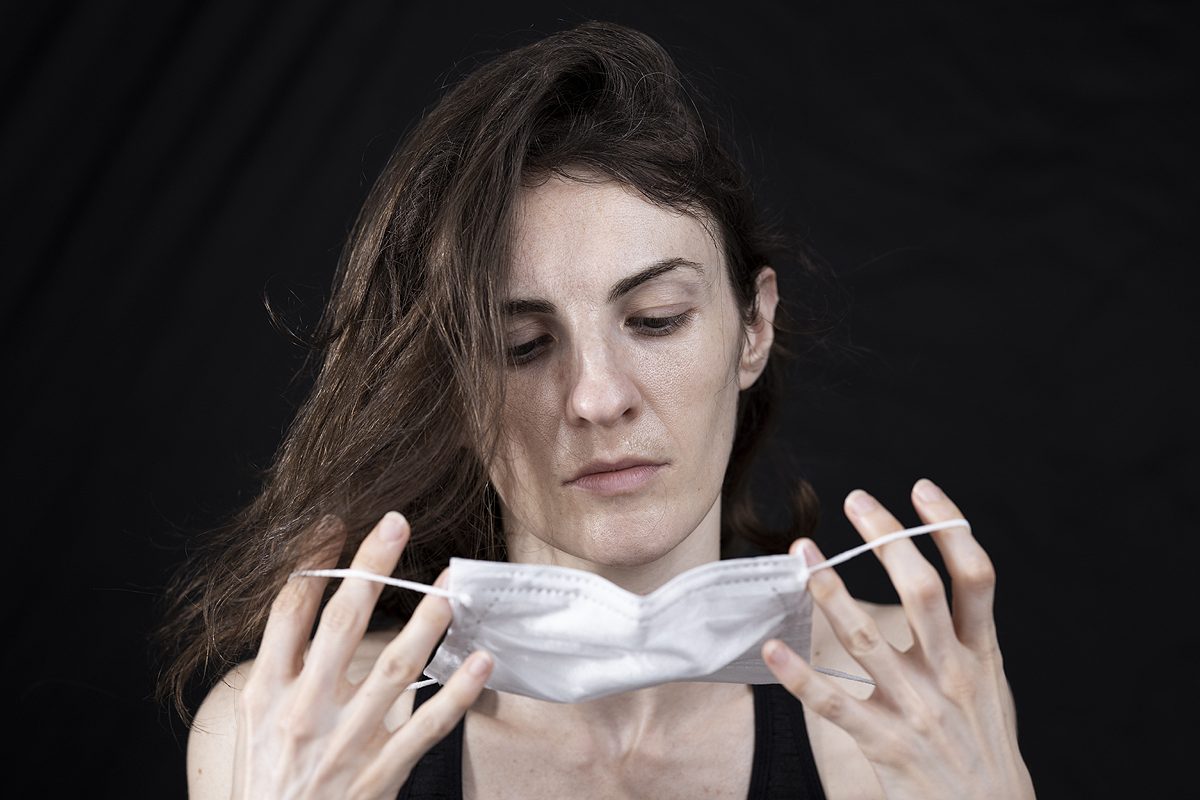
303	731
940	722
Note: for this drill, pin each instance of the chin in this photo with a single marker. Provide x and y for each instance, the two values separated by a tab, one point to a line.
626	557
621	544
620	540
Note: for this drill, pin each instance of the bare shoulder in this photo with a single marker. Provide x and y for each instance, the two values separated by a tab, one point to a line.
210	747
845	772
210	750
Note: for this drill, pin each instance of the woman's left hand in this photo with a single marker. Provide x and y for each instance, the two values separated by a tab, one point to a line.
940	722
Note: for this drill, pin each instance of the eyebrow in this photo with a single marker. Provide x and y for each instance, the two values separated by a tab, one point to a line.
515	308
627	285
623	287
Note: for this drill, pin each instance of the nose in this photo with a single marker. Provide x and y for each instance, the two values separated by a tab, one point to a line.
602	389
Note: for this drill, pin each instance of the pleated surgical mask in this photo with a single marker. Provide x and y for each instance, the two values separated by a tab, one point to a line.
566	636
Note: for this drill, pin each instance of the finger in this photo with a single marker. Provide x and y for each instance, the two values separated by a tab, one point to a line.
817	692
402	661
437	717
290	623
852	625
345	618
921	590
972	576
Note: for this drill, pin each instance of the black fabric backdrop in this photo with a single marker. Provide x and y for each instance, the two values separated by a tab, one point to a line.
1007	193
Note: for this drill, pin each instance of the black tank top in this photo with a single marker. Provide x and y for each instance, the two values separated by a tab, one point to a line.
783	763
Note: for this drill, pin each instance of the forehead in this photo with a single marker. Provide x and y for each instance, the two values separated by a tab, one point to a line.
571	234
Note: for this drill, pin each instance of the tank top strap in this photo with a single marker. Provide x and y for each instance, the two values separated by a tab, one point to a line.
783	762
438	775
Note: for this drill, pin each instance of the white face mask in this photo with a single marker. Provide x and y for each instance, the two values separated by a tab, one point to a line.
565	635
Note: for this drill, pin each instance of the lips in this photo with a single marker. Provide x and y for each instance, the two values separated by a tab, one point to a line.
625	476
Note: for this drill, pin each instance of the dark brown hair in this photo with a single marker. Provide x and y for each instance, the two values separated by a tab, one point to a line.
402	414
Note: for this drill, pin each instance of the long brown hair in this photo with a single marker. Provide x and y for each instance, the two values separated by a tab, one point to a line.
402	414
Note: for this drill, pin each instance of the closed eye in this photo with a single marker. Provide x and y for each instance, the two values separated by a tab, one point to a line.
659	326
527	351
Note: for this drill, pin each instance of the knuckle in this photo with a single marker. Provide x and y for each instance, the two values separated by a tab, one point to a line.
252	701
398	668
890	747
832	705
958	685
922	721
823	586
295	724
429	727
959	689
978	573
340	617
926	588
289	602
863	639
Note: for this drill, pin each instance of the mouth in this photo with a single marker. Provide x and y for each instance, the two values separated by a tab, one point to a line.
626	476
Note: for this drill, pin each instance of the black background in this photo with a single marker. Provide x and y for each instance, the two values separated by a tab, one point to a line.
1007	191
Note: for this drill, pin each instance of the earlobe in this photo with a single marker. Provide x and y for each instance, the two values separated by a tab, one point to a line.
760	334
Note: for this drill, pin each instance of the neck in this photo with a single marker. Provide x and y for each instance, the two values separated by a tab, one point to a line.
615	725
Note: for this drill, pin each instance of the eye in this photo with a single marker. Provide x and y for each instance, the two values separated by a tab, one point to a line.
527	351
659	326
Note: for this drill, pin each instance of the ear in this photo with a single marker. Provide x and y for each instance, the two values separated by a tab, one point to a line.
761	332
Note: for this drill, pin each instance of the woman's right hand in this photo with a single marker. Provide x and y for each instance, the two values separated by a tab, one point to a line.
303	730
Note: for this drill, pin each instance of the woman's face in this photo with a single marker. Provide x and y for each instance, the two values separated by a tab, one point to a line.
626	357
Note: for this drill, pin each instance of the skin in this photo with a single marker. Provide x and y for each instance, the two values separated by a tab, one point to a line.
943	703
627	352
651	374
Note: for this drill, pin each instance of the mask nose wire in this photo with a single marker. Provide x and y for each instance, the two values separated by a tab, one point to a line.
461	597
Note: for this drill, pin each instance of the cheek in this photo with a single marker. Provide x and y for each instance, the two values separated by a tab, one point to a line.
696	395
527	431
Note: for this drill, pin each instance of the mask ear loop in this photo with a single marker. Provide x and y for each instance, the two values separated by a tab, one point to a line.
806	571
907	533
461	597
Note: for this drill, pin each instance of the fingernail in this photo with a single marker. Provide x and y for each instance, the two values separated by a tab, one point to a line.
391	527
776	654
812	556
479	664
862	503
443	579
928	491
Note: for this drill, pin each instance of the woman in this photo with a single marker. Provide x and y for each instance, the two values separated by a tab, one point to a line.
550	343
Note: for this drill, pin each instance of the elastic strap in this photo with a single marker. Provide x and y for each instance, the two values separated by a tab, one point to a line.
837	673
461	597
907	533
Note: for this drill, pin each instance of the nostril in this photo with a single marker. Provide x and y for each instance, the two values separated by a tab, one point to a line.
602	396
